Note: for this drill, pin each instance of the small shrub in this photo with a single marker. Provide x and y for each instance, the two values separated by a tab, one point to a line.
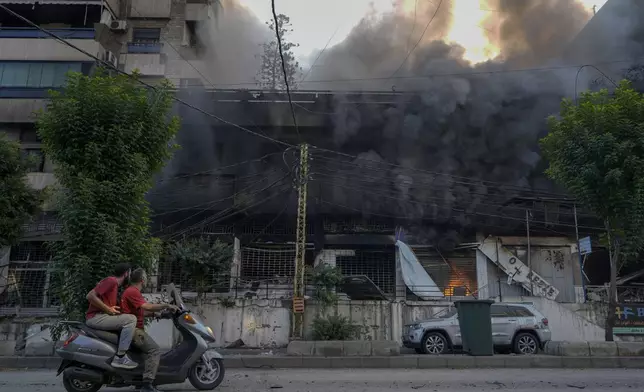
325	279
334	328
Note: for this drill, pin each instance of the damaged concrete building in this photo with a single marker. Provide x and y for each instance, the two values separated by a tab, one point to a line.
451	169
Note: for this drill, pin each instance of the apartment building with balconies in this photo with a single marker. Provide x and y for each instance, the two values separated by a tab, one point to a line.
155	37
31	63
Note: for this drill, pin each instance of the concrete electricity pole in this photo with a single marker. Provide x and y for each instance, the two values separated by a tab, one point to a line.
300	243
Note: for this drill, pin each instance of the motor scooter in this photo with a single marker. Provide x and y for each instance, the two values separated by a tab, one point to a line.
87	354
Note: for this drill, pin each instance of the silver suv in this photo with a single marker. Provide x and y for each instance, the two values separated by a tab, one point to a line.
519	327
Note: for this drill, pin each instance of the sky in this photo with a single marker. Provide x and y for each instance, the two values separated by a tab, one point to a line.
316	23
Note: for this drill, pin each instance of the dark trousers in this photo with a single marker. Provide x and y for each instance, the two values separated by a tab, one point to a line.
152	352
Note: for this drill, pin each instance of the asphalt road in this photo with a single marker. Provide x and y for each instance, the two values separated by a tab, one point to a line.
376	380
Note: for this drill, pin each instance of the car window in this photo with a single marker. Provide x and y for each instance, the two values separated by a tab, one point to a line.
520	311
499	311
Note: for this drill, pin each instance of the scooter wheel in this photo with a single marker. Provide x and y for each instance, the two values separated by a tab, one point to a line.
201	380
73	385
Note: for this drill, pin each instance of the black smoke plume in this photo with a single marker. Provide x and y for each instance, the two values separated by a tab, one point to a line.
472	129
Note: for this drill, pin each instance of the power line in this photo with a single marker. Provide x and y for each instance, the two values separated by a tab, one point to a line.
419	39
467	180
454	74
212	203
220	217
260	159
281	52
112	67
392	193
370	192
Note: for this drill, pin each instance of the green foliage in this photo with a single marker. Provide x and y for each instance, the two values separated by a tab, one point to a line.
108	136
325	280
334	327
271	75
18	201
596	150
201	260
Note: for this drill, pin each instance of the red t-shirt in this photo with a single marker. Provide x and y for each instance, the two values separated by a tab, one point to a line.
107	290
131	302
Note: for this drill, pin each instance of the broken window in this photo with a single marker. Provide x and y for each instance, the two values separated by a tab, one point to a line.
191	37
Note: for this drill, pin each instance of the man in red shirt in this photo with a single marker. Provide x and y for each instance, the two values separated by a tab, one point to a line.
133	303
104	314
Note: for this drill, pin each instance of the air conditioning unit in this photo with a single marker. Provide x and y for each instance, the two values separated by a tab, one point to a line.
118	26
110	58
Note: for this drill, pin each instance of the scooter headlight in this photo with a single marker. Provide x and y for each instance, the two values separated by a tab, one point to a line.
210	331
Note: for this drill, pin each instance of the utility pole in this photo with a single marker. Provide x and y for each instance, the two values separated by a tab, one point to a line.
527	229
300	243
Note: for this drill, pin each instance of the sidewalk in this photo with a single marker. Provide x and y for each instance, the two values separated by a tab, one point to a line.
394	362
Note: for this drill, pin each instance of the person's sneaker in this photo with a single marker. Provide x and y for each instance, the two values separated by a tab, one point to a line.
124	362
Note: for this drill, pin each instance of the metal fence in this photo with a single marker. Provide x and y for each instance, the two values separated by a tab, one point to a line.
625	294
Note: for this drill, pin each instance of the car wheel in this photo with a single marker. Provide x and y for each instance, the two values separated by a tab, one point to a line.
526	344
434	343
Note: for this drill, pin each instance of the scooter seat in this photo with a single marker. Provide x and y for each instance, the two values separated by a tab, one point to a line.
108	336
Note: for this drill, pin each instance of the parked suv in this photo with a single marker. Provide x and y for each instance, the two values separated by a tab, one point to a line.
519	327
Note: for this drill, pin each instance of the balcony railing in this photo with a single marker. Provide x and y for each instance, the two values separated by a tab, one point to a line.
26	92
28	32
144	47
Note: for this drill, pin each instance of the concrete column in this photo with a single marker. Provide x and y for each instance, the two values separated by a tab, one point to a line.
235	266
396	328
401	288
482	281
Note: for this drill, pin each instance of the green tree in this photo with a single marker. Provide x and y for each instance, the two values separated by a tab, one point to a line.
596	150
107	136
203	262
18	201
271	75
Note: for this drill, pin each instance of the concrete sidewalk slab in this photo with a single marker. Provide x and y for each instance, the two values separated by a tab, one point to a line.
383	362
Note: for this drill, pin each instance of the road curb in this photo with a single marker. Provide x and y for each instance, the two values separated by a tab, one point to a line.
392	362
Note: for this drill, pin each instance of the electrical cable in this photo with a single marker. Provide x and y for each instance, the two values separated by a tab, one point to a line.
319	55
209	221
186	60
273	220
448	75
465	180
260	159
370	192
430	186
112	67
419	39
213	203
499	206
281	52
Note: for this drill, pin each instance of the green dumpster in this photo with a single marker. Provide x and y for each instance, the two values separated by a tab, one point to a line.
475	323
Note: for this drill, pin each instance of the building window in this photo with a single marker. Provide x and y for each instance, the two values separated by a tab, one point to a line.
35	159
146	36
17	74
